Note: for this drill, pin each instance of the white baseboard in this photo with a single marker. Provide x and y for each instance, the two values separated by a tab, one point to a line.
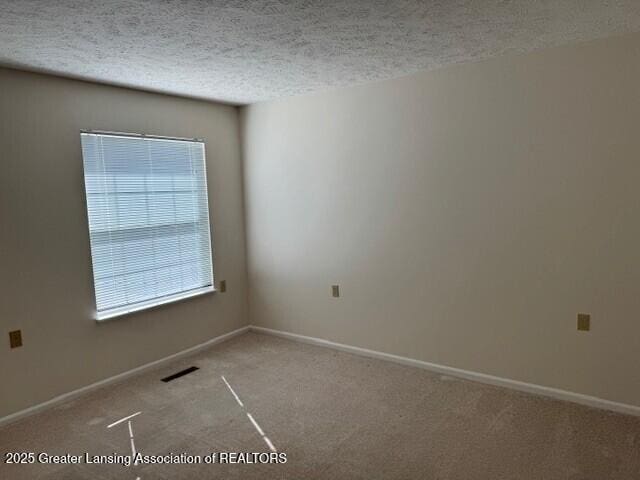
466	374
442	369
116	378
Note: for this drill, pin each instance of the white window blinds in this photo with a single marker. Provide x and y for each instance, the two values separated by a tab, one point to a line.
148	220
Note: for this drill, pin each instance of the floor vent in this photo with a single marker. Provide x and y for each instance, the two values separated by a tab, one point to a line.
179	374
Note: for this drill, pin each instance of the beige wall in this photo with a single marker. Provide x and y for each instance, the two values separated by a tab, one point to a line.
45	264
468	214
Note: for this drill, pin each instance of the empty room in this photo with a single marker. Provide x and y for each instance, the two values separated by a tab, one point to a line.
320	239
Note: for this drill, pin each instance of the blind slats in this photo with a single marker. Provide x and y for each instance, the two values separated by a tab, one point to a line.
148	220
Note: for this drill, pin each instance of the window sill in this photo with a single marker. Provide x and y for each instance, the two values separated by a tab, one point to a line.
149	304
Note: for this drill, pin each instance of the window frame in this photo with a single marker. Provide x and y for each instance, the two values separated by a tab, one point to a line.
152	303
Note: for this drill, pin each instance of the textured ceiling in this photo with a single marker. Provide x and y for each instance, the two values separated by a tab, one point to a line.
247	51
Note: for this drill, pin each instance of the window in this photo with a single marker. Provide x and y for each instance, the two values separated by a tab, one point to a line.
148	220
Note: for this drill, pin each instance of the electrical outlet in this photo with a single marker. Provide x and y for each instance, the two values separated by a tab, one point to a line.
15	338
335	290
223	286
584	322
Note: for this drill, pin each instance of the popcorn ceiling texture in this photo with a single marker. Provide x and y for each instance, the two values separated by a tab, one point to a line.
247	51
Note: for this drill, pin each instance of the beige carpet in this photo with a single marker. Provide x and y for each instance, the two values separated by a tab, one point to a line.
335	415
